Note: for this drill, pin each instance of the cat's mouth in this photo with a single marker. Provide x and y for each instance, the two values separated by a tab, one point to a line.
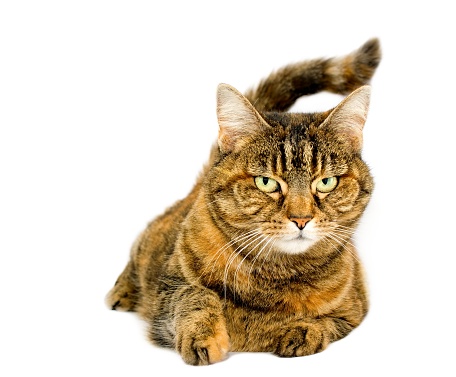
301	235
295	244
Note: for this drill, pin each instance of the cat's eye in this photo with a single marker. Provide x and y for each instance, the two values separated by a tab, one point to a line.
326	185
267	185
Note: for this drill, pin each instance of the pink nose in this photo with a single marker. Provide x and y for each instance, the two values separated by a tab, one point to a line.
300	221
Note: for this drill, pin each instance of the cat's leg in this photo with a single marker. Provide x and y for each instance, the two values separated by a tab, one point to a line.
124	294
310	336
306	336
191	320
302	340
342	75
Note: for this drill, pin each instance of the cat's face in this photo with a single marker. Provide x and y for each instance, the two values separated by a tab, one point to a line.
293	181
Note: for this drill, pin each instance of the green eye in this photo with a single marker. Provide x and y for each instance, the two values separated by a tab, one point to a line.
266	184
326	185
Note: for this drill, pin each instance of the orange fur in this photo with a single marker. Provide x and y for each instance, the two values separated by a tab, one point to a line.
258	257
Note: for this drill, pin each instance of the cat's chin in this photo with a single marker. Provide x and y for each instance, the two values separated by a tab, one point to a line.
297	245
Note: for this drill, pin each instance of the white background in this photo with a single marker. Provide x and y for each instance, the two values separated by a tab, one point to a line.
107	113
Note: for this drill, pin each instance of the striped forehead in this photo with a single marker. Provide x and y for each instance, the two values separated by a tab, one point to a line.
298	149
292	146
296	154
284	154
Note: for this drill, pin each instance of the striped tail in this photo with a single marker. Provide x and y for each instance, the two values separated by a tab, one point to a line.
340	75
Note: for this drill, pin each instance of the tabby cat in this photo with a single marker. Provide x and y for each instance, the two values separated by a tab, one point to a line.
259	255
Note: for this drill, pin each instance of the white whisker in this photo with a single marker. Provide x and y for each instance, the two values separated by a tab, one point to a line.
342	242
269	240
256	235
218	254
263	238
269	251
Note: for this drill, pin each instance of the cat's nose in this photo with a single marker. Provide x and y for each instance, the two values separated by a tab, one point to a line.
300	221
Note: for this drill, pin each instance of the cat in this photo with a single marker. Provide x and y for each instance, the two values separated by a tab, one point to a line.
259	255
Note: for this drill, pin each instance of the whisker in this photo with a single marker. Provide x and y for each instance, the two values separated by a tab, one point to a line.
269	251
243	238
344	232
343	243
342	237
345	227
269	240
327	239
256	235
218	254
236	253
263	238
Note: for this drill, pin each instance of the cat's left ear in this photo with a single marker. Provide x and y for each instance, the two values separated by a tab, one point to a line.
346	121
238	120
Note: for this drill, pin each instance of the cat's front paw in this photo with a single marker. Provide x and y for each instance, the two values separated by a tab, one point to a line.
302	340
203	347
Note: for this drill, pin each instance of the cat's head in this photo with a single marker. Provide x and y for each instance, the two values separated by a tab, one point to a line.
287	181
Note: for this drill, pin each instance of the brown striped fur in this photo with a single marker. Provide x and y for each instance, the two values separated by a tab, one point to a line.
235	268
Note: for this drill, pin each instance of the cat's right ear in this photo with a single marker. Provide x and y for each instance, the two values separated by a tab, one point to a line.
238	120
346	121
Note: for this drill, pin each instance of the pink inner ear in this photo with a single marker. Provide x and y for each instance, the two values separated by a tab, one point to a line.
355	138
226	141
347	120
237	118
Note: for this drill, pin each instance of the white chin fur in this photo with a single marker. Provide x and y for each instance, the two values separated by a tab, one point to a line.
296	241
294	246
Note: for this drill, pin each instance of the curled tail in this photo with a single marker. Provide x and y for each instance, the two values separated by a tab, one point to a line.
340	75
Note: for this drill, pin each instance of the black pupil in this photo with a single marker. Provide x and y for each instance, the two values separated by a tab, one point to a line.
325	181
265	181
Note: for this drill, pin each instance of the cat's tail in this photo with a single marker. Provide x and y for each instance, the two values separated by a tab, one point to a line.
341	75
